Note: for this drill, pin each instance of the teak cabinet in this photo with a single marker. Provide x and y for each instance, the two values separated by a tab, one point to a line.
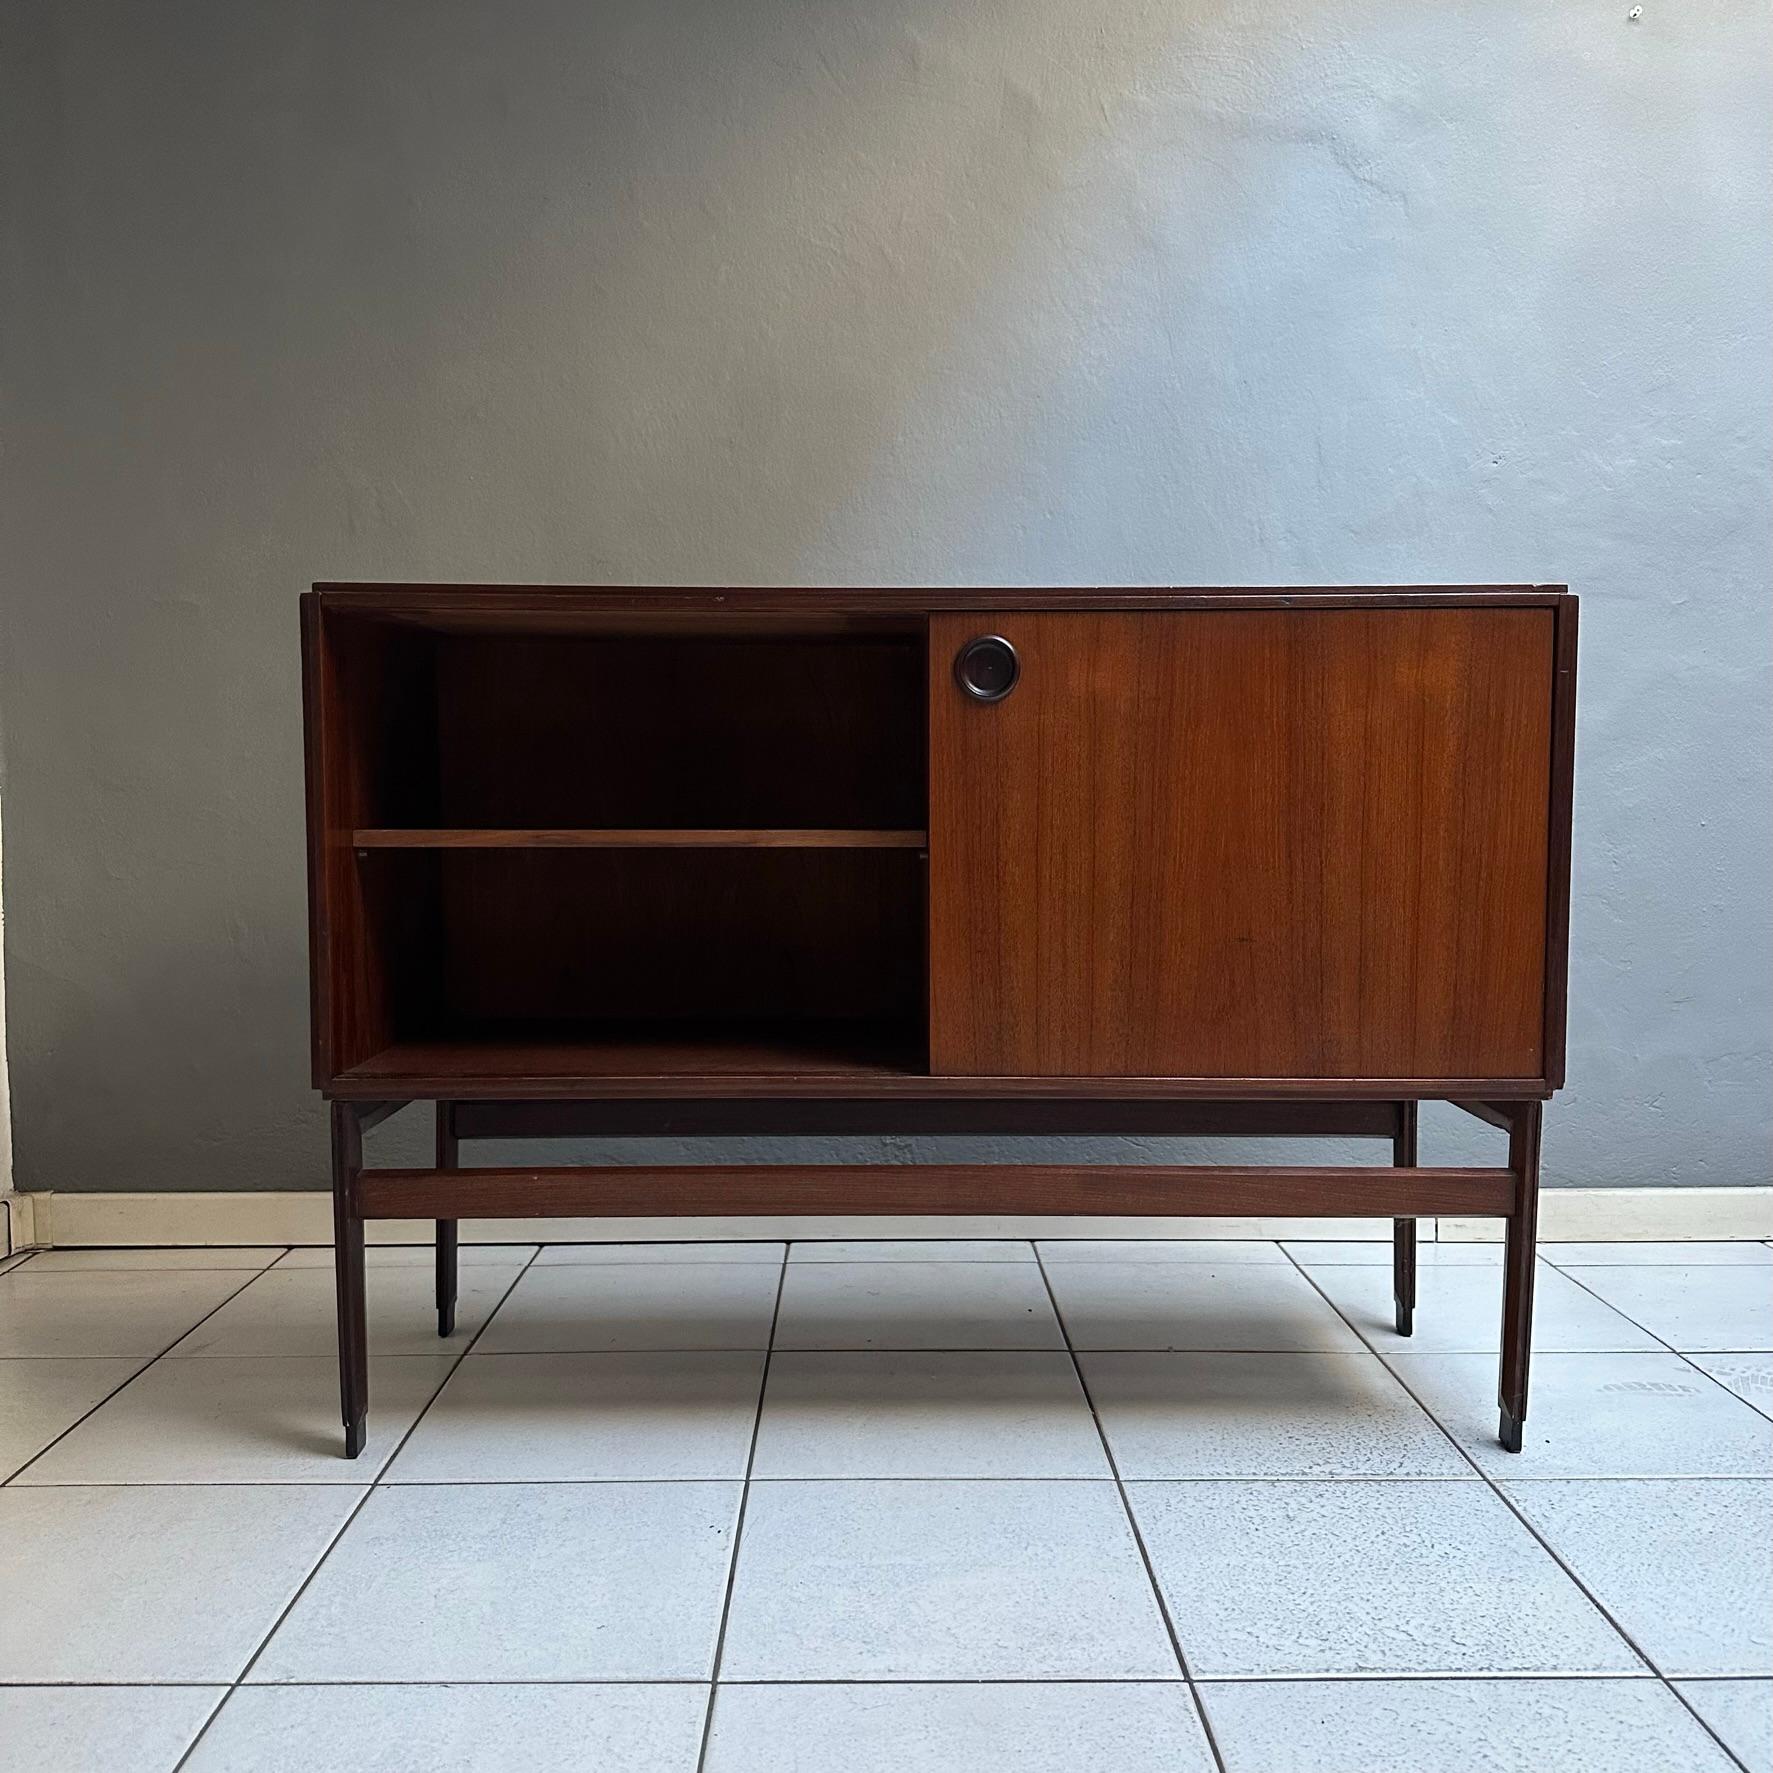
711	862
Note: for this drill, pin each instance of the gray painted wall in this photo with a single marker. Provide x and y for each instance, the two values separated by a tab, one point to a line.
854	291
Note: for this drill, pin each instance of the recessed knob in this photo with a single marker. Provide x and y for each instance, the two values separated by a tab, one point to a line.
987	668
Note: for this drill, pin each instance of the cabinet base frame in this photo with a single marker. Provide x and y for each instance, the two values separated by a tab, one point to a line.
1401	1192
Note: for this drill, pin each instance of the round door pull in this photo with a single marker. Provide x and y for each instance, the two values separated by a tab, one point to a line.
987	668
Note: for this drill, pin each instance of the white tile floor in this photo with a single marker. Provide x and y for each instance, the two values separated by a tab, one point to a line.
920	1506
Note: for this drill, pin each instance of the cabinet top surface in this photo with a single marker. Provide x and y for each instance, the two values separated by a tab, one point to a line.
507	602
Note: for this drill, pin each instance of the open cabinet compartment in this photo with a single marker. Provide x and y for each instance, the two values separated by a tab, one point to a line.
615	852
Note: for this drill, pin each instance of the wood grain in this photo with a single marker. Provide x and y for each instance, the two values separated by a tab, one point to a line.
801	1060
1323	977
931	1188
1563	790
392	838
631	936
680	731
736	610
587	1055
370	746
751	1117
1239	844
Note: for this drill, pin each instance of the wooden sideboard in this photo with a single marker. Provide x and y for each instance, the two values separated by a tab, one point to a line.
717	862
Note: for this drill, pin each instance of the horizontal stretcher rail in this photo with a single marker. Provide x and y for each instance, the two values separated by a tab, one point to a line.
760	1115
618	1190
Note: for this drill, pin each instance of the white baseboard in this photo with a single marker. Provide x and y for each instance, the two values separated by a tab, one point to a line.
1635	1215
1566	1215
18	1221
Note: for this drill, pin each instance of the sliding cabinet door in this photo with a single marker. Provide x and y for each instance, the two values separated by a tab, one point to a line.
1263	844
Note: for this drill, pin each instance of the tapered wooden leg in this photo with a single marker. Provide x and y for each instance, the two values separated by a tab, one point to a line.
347	1240
446	1228
1403	1231
1517	1270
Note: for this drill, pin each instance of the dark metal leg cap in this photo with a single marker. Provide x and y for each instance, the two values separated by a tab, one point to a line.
1406	1320
356	1433
446	1319
1509	1434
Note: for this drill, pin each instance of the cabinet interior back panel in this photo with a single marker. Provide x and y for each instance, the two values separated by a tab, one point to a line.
1262	844
681	730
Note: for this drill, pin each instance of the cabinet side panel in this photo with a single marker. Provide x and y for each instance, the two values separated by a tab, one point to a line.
1563	784
1263	844
370	756
319	916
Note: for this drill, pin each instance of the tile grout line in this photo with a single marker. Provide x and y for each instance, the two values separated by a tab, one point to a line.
1650	1671
1663	1346
869	1348
1465	1479
1157	1593
1564	1264
1495	1487
1642	1676
732	1567
1679	1353
370	1489
155	1361
151	1361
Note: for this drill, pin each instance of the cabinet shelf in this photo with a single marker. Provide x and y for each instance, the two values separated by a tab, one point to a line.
742	838
643	857
759	1055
